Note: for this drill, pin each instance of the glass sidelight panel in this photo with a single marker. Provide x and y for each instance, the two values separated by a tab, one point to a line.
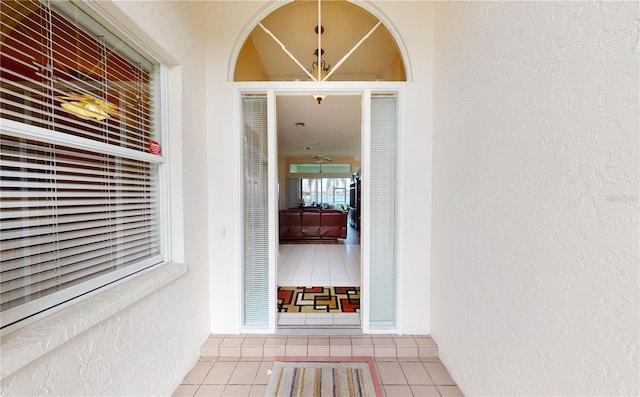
383	227
255	229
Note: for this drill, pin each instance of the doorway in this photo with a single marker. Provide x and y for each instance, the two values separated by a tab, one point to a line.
260	214
318	258
354	53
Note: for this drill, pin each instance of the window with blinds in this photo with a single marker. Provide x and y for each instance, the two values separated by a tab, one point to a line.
255	229
80	204
383	210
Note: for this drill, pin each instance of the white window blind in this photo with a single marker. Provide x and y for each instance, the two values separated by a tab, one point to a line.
255	212
79	188
383	165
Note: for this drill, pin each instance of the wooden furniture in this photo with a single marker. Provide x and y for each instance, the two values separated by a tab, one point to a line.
354	203
312	224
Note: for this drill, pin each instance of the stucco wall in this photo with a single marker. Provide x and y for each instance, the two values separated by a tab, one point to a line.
147	348
535	233
228	24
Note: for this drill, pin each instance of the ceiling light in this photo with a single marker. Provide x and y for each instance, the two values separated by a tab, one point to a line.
319	67
319	98
87	107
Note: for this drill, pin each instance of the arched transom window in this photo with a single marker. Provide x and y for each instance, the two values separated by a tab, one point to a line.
354	46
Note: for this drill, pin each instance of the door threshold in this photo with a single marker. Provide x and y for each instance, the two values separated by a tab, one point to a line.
318	331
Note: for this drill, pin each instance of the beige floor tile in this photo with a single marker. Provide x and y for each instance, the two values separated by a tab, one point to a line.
425	341
340	351
425	391
262	377
185	390
252	351
230	351
225	372
426	352
439	373
254	340
237	391
416	373
198	373
430	359
385	352
209	351
361	342
293	351
362	351
318	351
397	391
383	342
274	351
340	341
209	391
450	391
220	373
407	352
297	342
258	391
405	341
232	341
275	341
391	373
318	342
244	373
213	341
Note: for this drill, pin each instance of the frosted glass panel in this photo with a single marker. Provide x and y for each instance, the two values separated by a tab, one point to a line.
255	236
383	211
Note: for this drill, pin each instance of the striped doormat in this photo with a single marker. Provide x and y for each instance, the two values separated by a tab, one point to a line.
326	377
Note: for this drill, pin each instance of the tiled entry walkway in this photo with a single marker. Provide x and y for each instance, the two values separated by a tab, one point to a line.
236	365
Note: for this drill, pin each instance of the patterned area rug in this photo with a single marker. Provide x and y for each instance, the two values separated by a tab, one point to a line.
314	377
318	299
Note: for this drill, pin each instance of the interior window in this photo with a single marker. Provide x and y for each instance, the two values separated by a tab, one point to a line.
331	193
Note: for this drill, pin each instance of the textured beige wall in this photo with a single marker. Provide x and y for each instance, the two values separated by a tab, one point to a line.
148	345
535	231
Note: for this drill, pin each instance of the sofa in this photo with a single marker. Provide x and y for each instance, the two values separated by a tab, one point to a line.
312	224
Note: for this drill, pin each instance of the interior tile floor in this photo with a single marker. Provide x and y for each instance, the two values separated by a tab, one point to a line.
238	365
319	265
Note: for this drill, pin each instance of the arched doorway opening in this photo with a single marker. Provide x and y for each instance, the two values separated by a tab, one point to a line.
367	63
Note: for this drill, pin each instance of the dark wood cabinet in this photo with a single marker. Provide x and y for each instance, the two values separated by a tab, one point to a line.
354	203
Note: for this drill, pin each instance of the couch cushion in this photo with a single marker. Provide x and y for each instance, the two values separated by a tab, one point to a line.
290	226
333	224
310	221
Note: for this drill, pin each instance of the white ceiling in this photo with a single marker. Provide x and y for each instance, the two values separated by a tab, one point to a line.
335	124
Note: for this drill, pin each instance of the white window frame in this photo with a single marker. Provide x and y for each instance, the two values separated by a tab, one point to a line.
30	312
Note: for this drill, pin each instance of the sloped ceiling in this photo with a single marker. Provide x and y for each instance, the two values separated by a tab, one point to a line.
336	123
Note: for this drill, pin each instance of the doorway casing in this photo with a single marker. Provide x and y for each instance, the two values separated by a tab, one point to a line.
365	90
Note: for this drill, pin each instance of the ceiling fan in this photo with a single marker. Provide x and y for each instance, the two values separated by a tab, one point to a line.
319	158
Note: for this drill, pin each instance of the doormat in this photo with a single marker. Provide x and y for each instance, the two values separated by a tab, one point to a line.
318	299
323	376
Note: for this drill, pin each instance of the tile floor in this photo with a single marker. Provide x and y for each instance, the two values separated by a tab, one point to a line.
237	365
319	265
